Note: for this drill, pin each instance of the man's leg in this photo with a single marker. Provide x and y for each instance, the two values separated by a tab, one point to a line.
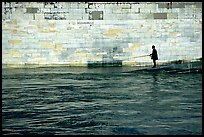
154	61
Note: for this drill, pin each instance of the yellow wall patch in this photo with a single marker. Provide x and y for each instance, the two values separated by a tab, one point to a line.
48	45
113	32
15	41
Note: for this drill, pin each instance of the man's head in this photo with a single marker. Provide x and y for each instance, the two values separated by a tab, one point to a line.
153	47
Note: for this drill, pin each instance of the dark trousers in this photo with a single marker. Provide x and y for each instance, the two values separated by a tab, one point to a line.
154	61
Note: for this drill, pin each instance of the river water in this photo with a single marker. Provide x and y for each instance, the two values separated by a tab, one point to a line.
100	101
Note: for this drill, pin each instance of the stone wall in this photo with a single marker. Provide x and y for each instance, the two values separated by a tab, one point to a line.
84	33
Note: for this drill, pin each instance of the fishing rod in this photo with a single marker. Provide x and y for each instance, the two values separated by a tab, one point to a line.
134	56
140	56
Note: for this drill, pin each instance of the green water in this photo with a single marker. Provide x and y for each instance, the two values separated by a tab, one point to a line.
100	101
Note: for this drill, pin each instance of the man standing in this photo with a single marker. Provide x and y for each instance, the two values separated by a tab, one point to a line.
154	56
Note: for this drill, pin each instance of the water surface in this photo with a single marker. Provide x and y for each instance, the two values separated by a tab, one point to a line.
105	101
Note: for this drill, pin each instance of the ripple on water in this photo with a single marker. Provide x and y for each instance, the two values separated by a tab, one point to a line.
37	101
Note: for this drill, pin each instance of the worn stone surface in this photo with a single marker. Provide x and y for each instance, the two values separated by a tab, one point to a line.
78	34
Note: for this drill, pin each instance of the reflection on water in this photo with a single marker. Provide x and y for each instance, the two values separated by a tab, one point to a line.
100	101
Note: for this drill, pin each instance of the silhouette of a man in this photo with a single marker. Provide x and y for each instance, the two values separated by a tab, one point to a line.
154	56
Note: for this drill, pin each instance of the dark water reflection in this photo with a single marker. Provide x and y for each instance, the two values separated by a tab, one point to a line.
100	101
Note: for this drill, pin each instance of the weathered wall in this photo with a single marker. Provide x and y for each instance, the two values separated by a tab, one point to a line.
83	33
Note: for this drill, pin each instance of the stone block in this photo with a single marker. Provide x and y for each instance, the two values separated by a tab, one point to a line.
148	16
129	50
6	56
175	34
112	32
17	55
178	5
39	16
160	15
172	15
134	45
31	10
162	5
198	4
15	41
47	45
11	22
96	15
